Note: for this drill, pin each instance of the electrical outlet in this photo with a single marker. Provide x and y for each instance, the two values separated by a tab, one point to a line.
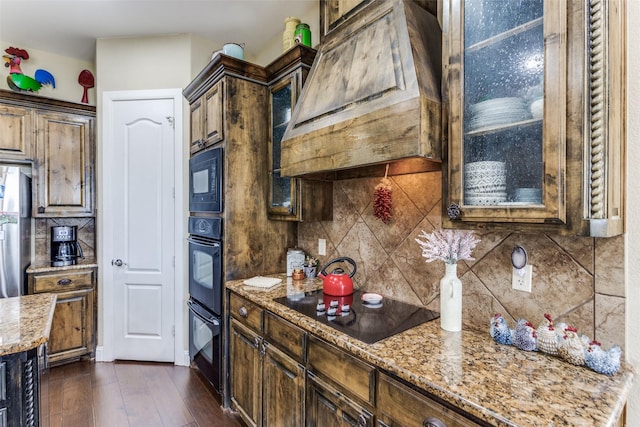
322	247
522	282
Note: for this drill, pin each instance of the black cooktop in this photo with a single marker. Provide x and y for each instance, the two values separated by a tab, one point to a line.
367	323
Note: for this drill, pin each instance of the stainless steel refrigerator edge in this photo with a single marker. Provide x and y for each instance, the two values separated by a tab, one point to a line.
15	230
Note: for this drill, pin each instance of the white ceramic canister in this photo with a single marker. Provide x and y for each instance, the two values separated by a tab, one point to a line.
295	257
234	49
288	36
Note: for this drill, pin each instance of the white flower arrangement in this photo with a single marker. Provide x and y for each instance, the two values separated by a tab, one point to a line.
449	246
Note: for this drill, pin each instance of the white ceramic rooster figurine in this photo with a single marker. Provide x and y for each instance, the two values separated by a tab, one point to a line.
547	336
571	346
603	362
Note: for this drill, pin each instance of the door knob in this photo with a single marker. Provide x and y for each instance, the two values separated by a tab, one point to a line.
117	262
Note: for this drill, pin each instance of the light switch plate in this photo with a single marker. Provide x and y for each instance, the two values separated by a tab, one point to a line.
521	278
322	247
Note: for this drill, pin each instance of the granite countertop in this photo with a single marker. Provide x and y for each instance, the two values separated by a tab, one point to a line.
499	384
45	266
25	322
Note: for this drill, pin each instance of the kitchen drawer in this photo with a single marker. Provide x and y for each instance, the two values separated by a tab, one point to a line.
62	282
399	405
286	336
245	312
350	373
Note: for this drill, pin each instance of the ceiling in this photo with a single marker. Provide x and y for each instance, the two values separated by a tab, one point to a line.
71	27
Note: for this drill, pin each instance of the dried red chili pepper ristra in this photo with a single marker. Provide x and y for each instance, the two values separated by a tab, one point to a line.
382	202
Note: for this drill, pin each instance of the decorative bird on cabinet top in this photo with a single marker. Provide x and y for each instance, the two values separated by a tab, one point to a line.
20	82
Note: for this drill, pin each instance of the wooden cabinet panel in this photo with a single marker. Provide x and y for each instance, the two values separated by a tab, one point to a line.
73	326
246	312
285	336
244	375
326	406
207	119
214	113
64	165
354	375
398	405
16	138
283	392
70	280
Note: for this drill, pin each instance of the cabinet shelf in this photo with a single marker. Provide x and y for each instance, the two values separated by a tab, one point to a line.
499	128
504	35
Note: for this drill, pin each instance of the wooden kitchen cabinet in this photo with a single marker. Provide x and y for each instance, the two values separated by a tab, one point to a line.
267	383
59	137
207	119
239	90
341	388
327	406
16	139
535	128
398	405
244	372
72	333
292	199
63	168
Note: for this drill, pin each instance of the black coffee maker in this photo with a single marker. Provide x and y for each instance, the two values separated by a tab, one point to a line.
65	249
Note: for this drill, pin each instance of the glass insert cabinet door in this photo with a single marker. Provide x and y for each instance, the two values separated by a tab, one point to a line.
282	193
506	90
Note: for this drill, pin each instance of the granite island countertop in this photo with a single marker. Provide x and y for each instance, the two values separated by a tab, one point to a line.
499	384
25	322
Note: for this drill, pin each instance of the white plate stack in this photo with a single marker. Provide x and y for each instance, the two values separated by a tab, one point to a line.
498	111
485	183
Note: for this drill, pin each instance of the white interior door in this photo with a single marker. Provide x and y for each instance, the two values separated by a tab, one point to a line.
140	206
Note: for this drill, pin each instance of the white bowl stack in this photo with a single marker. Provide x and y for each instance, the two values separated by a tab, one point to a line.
485	183
498	111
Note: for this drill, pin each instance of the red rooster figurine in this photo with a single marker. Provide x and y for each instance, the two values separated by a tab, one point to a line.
20	82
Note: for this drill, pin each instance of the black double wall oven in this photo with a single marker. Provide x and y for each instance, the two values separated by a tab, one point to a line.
205	265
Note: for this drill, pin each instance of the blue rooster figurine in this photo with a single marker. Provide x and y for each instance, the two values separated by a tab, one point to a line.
525	336
500	331
20	82
600	361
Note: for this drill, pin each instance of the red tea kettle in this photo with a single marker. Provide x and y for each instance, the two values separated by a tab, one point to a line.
337	283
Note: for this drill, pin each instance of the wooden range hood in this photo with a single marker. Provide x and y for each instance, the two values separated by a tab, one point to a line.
372	98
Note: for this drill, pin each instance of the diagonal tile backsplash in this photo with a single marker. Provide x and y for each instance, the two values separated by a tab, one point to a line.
578	280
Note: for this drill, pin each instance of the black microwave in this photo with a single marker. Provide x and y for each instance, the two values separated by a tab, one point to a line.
205	181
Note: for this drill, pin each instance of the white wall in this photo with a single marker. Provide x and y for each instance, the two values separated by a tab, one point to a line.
65	70
632	237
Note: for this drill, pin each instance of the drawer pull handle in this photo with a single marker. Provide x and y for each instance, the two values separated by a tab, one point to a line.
433	422
64	282
243	312
362	421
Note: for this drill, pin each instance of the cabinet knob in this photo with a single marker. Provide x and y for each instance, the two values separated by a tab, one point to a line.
454	211
243	312
433	422
64	282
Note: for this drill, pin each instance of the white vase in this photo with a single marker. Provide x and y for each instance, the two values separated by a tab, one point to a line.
451	300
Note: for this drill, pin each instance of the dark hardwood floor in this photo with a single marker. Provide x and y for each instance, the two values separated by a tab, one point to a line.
86	394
